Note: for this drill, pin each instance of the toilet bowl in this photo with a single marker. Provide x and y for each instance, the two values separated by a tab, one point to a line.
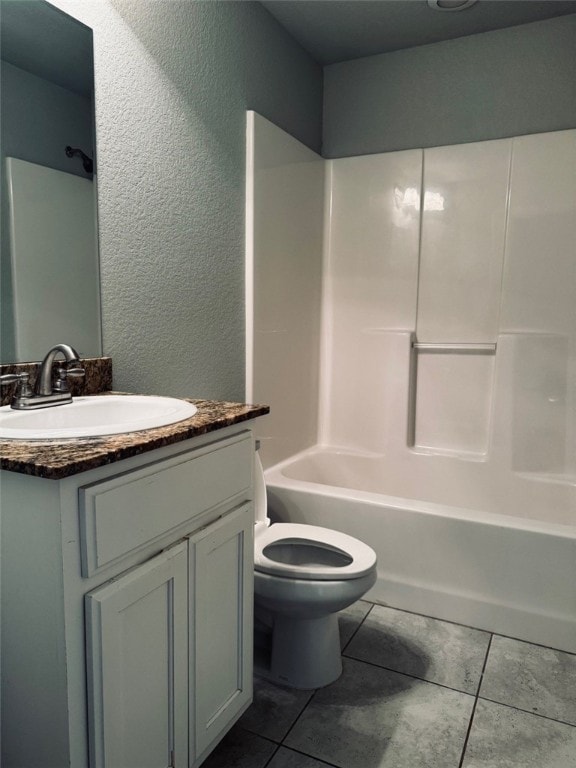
304	575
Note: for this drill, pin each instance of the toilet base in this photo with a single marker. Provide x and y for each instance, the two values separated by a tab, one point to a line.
305	652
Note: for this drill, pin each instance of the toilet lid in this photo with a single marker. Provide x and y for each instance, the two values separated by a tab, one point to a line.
311	552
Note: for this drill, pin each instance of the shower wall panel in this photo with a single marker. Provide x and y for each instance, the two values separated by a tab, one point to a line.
284	285
452	402
371	277
462	248
539	299
540	268
461	258
489	250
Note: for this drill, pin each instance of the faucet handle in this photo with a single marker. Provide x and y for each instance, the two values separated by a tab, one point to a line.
61	383
9	378
22	379
76	373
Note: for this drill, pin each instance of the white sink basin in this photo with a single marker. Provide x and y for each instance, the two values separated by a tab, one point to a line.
94	416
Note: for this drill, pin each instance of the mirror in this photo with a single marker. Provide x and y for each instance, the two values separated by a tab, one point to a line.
49	275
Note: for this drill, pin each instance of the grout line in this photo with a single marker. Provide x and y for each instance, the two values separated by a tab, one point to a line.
537	645
483	670
477	629
312	757
304	708
272	756
255	733
412	677
465	745
528	712
435	618
355	632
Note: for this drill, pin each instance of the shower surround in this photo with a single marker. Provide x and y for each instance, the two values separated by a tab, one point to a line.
411	319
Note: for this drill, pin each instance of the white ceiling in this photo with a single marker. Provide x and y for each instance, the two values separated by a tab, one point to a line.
339	30
43	40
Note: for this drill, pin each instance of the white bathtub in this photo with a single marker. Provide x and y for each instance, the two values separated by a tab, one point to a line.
514	574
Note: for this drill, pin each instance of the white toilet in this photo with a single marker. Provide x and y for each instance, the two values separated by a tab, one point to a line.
304	575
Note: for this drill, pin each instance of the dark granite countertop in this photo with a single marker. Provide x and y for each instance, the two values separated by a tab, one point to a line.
56	459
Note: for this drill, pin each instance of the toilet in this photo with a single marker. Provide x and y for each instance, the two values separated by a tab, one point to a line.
304	575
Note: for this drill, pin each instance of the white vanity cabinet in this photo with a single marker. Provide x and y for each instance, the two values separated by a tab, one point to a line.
127	608
137	658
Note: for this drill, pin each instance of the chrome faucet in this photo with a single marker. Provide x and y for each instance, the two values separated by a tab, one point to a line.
46	394
44	381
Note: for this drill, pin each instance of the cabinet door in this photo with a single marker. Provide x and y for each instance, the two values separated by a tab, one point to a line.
221	626
137	657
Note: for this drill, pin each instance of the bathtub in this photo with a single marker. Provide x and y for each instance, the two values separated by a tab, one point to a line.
505	563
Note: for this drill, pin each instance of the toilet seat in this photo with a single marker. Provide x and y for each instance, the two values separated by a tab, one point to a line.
323	554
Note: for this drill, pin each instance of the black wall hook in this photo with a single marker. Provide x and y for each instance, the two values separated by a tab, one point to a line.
86	161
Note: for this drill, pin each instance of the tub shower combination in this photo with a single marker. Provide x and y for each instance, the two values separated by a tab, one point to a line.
474	567
420	363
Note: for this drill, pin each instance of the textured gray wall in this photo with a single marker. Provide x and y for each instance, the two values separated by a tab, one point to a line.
505	83
173	81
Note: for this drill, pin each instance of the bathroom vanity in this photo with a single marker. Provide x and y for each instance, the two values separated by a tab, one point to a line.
127	570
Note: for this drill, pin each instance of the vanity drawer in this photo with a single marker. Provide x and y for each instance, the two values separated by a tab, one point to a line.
124	513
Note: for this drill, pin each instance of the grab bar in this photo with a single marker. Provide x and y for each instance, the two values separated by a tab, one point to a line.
488	349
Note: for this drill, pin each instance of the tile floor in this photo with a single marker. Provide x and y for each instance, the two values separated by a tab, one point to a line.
416	693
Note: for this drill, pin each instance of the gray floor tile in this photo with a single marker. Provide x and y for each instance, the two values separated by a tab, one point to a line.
532	678
241	749
286	758
350	618
502	737
375	718
432	650
274	709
